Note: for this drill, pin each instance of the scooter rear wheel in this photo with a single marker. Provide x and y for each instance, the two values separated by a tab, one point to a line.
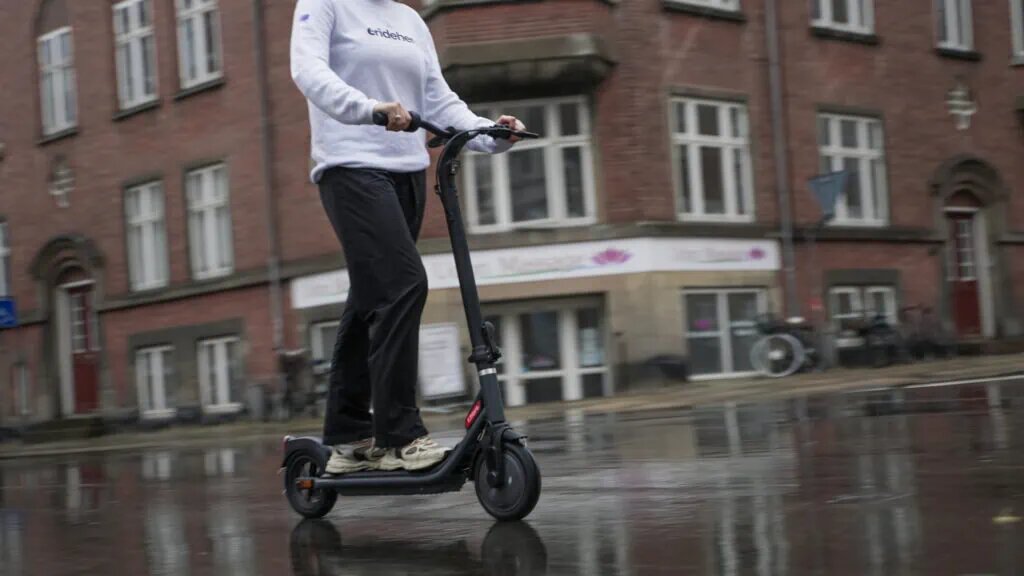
516	498
313	503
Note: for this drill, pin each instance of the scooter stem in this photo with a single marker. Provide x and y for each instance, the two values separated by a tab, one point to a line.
447	169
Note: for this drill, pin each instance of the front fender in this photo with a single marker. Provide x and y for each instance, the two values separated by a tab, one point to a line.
294	445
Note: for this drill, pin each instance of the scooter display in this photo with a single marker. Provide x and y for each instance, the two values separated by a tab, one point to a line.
491	455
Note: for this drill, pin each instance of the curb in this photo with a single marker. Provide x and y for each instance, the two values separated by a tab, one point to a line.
670	398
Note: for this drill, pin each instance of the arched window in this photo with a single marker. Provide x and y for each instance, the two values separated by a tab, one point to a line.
57	94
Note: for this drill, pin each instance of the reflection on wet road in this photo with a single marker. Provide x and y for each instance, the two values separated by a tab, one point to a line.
918	481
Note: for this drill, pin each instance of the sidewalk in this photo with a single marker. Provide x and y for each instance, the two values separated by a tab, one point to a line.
683	395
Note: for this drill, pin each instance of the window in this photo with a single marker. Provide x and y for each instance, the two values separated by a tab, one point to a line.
711	155
198	42
5	264
721	329
955	24
147	237
220	375
135	52
552	353
84	322
209	222
1017	21
57	81
855	303
847	15
730	5
539	182
154	377
855	144
961	263
321	340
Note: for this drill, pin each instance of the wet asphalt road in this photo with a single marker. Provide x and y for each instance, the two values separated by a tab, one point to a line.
921	481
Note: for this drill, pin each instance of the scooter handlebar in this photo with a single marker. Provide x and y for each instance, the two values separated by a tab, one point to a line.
381	119
416	122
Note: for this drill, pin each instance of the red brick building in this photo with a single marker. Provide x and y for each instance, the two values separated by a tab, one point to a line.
161	239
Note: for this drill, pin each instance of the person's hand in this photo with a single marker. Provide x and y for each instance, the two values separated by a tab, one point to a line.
513	123
398	117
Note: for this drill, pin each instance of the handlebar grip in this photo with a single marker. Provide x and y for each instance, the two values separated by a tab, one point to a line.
381	119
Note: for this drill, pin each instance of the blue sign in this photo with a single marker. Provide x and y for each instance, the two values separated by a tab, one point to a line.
8	313
828	188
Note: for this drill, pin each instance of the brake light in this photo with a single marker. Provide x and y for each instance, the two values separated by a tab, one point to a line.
473	413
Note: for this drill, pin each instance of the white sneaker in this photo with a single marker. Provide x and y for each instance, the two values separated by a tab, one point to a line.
419	454
345	460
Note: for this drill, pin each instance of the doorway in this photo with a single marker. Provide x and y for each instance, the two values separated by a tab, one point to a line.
967	272
78	345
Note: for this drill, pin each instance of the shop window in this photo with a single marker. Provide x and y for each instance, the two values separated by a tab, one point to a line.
721	329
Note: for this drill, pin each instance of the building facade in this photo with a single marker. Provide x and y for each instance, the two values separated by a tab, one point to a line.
162	242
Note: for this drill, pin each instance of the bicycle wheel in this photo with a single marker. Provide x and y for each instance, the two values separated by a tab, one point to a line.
778	355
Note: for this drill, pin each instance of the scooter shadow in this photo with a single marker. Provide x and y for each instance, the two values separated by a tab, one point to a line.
508	549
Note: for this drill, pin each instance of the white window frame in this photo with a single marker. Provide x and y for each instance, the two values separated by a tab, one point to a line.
726	5
1017	23
211	239
198	49
729	145
570	370
134	87
859	296
146	236
151	366
874	195
5	264
952	25
725	325
58	104
215	393
554	174
316	340
860	16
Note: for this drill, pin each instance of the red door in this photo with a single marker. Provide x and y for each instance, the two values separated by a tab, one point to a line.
963	274
84	349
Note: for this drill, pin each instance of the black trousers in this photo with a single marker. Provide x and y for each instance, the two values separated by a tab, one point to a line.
377	216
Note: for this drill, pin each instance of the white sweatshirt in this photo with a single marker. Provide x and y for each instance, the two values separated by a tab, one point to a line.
348	55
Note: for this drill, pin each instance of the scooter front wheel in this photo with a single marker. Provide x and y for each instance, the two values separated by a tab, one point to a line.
516	497
311	503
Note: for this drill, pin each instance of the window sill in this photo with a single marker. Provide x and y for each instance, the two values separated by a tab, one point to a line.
232	408
147	290
159	414
958	54
724	221
829	33
199	88
66	133
137	109
212	277
705	11
535	227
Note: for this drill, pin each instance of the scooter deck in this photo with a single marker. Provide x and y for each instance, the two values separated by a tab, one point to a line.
381	482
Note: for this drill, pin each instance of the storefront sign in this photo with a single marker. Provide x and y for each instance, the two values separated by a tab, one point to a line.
440	361
560	261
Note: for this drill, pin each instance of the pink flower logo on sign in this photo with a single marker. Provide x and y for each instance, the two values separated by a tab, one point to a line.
757	254
611	256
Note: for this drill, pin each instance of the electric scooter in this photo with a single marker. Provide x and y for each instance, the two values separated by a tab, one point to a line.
492	455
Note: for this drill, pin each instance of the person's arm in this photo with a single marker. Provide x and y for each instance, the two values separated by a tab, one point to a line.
445	108
311	68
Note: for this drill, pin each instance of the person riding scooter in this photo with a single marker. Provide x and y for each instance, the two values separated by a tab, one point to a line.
351	59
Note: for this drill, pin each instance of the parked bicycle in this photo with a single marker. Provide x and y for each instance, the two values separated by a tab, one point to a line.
923	334
868	339
787	347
